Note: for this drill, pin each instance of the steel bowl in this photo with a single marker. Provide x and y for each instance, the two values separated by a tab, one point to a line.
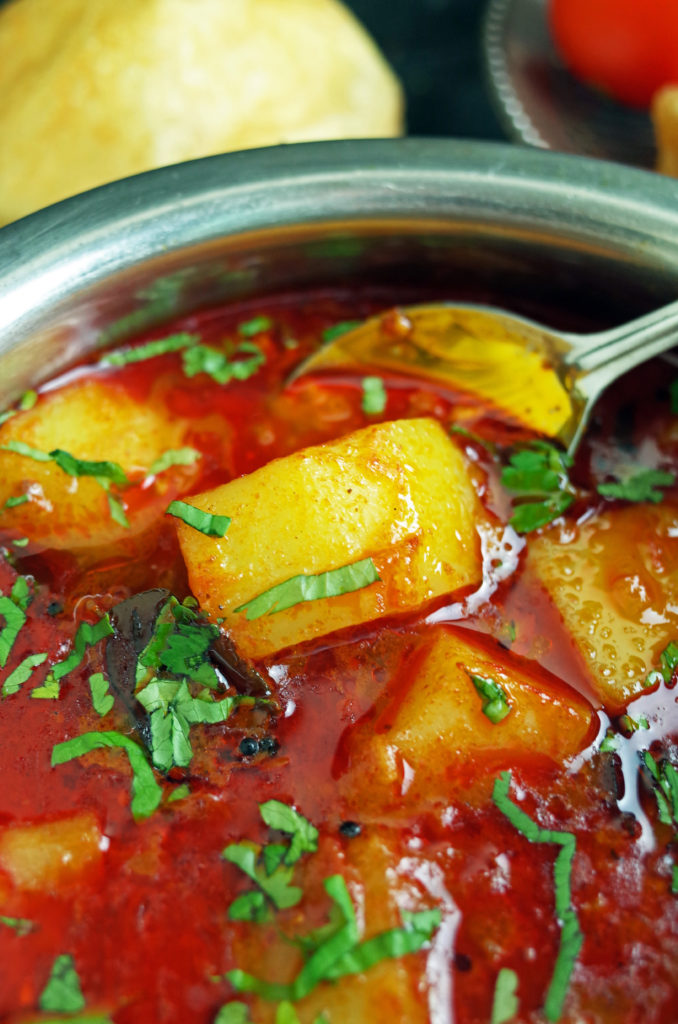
577	242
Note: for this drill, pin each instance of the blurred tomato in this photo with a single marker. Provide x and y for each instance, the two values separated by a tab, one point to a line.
627	48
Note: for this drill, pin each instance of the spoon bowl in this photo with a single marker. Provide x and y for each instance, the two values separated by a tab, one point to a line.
546	380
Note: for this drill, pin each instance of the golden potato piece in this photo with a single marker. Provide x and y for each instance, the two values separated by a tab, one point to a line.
614	580
92	420
44	856
396	492
94	90
435	724
664	112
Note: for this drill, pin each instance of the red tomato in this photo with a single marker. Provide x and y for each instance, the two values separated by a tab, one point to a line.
627	48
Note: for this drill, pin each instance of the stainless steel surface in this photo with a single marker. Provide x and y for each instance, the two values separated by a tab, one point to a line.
539	102
587	243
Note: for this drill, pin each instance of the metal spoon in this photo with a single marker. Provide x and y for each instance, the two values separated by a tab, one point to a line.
548	381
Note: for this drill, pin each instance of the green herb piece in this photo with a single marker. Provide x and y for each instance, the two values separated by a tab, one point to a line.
539	471
15	500
28	400
22	542
653	678
374	396
204	522
100	470
21	593
80	1018
311	588
22	674
117	510
642	486
174	457
102	700
285	819
180	793
14	617
150	350
336	330
86	636
173	710
257	325
180	645
275	887
233	1013
21	926
286	1014
49	690
219	366
505	1003
20	448
340	953
610	743
62	993
570	935
668	661
674	879
146	793
495	701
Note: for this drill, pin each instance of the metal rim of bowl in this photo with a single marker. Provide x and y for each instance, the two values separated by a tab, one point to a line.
53	254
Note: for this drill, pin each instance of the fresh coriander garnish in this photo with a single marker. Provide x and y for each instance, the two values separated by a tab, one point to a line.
62	993
668	661
102	700
505	1002
17	499
339	952
146	793
642	486
21	926
21	592
180	793
150	350
495	701
27	401
179	645
257	325
22	542
22	674
298	589
87	635
173	457
284	818
374	396
538	474
14	617
570	935
204	522
336	330
219	366
665	788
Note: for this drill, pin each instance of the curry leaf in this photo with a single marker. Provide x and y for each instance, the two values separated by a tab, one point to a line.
311	588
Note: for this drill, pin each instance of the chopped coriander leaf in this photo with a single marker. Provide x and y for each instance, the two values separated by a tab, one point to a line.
204	522
538	472
86	636
180	644
20	448
640	487
180	793
146	793
84	467
62	993
150	350
256	325
117	510
285	819
174	457
495	702
22	674
505	1002
674	879
374	396
610	743
233	1013
21	926
28	400
275	887
668	661
21	593
219	366
49	690
14	617
571	937
336	330
102	700
298	589
15	500
22	542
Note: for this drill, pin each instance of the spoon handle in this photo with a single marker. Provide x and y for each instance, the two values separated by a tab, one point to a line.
622	348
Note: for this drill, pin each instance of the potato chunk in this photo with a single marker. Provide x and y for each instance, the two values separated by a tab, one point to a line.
398	493
432	725
97	421
615	584
44	856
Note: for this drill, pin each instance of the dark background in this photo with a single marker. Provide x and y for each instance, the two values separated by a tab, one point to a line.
435	48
